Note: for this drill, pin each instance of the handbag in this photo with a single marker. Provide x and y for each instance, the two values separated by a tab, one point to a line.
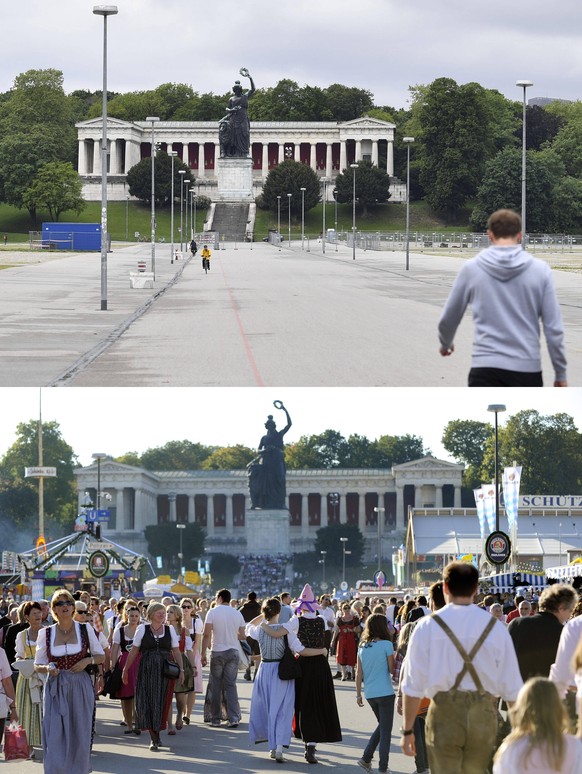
112	682
289	666
244	654
170	669
25	666
187	683
15	743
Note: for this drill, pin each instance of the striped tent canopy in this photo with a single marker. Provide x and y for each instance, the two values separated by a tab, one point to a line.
565	572
503	582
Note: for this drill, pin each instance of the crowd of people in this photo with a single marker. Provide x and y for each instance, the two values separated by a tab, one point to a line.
481	688
263	572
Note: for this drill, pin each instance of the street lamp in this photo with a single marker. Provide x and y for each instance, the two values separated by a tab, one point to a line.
186	231
335	216
302	216
354	167
153	120
344	540
408	141
496	408
289	205
323	555
279	220
98	456
127	218
524	85
172	154
380	518
324	181
334	499
181	527
193	222
181	172
104	11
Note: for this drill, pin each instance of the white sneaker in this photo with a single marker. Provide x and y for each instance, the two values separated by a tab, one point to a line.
365	765
272	754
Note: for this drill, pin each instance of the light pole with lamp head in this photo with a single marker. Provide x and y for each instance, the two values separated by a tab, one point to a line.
127	218
172	154
323	202
194	197
104	11
524	85
186	230
496	408
344	540
302	216
98	456
181	527
279	220
380	517
289	207
181	172
335	216
323	555
408	141
153	120
354	167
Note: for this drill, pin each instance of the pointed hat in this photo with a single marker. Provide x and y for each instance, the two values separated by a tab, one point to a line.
306	600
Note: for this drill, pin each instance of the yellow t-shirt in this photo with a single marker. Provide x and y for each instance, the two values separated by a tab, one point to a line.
206	253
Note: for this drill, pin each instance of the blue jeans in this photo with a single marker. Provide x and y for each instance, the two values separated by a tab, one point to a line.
223	672
383	708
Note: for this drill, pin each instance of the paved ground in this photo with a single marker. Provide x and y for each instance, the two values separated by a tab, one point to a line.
262	316
204	750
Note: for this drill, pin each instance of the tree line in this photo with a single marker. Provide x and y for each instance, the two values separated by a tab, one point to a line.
465	161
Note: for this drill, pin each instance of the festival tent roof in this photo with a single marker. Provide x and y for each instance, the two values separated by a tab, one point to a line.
573	570
504	583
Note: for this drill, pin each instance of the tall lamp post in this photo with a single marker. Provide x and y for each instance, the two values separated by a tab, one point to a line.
153	120
302	216
186	200
323	555
344	540
524	85
380	518
181	172
496	408
98	456
354	167
289	209
335	216
127	218
172	154
408	141
193	221
181	527
279	220
324	200
104	11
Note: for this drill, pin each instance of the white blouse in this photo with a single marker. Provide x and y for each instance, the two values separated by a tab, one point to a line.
140	631
70	649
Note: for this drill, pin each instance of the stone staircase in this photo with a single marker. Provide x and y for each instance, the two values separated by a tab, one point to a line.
230	220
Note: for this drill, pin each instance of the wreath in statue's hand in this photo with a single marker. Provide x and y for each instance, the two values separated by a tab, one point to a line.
278	404
244	72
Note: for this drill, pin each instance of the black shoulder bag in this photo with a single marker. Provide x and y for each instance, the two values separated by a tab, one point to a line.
289	666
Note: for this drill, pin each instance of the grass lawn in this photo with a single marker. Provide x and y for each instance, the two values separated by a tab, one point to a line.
386	217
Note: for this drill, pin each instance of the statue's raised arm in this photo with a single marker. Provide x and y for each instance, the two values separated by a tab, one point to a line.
279	405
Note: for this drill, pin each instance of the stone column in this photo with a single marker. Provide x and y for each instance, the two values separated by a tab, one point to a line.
201	170
361	514
297	151
390	158
328	160
210	515
120	509
191	509
265	162
97	157
358	151
281	156
323	510
172	499
131	155
304	516
375	152
399	509
343	514
457	499
113	157
141	514
343	156
216	157
82	158
185	153
229	516
439	496
313	156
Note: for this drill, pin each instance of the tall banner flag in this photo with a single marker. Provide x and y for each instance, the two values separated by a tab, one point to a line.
489	505
511	478
478	494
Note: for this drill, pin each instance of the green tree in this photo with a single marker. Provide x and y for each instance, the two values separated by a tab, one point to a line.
372	186
567	206
568	146
346	103
139	178
395	449
328	539
19	495
176	455
325	450
129	458
229	458
164	540
56	188
542	127
290	177
467	440
203	107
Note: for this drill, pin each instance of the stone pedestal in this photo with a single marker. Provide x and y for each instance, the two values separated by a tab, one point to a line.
267	531
235	179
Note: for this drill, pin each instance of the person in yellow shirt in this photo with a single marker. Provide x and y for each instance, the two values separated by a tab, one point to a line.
206	253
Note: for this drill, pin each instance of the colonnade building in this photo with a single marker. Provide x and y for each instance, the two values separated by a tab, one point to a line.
328	147
218	500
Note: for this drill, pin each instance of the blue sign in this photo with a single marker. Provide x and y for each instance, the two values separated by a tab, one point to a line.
92	515
103	515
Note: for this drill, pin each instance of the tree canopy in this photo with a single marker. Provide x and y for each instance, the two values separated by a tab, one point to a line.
372	186
57	188
139	178
331	449
290	177
164	540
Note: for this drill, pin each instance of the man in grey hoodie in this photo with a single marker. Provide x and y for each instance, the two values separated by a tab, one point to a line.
509	292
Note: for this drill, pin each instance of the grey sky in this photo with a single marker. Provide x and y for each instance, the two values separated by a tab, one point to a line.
117	420
381	45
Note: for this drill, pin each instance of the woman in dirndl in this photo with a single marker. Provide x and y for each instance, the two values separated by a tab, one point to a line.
181	690
122	644
194	624
156	642
273	699
29	685
63	653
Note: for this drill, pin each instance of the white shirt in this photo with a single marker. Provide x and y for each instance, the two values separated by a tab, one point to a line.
328	616
562	671
71	649
226	621
433	662
140	631
513	756
294	644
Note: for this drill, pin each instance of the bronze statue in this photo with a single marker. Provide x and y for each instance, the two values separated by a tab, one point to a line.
234	130
267	471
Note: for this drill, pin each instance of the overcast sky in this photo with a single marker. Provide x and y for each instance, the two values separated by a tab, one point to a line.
381	45
118	420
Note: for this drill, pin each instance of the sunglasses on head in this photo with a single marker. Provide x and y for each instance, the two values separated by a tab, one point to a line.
63	603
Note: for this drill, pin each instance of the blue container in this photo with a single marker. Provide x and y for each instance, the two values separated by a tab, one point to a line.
72	236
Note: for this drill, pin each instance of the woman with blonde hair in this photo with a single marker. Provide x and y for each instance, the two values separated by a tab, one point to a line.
183	689
195	627
539	742
28	687
122	644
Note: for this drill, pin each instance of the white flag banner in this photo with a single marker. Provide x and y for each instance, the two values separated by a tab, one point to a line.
511	478
478	495
489	505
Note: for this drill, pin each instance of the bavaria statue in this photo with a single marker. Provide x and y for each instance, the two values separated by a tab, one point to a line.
234	130
267	471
